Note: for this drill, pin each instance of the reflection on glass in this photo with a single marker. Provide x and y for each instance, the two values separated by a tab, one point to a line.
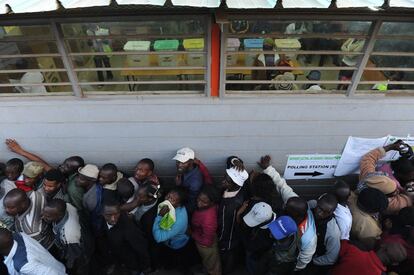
397	28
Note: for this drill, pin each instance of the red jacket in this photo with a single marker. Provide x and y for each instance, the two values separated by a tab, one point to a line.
354	261
204	226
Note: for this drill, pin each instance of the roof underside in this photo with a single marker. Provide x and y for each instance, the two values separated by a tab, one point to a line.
35	6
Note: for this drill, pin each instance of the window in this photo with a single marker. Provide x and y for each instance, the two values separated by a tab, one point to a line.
168	56
30	62
390	68
267	56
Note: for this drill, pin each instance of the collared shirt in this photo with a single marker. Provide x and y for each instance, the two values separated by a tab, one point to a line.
27	256
343	217
31	223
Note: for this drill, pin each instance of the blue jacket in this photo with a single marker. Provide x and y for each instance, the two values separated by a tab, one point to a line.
193	181
176	237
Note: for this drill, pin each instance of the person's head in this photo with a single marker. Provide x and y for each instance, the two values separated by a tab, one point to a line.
87	176
108	174
283	227
397	76
263	187
14	168
54	211
16	202
207	197
342	191
125	189
111	212
177	196
391	253
6	241
32	173
71	165
184	160
326	205
144	169
22	64
403	169
296	208
268	44
53	181
372	201
148	193
234	179
261	215
405	222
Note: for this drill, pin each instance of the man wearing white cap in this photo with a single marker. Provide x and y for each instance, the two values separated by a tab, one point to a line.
92	199
188	175
255	236
232	200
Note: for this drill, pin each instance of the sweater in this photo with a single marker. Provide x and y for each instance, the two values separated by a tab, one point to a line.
204	226
308	239
176	237
357	262
368	166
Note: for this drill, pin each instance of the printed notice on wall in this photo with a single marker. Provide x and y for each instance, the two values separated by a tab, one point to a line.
315	166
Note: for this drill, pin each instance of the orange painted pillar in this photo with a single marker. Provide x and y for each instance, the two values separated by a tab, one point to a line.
215	60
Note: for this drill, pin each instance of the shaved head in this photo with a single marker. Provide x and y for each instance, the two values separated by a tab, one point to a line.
16	202
296	208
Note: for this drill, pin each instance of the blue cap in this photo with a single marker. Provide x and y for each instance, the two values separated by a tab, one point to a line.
283	227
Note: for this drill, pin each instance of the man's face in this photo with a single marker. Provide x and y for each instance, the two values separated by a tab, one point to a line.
12	173
68	167
183	167
13	206
323	210
107	177
82	181
51	187
142	171
50	215
142	196
111	214
31	182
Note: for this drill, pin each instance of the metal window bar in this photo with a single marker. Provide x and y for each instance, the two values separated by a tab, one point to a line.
67	63
362	63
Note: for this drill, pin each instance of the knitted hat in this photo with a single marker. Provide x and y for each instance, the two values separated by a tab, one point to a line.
382	183
90	171
372	200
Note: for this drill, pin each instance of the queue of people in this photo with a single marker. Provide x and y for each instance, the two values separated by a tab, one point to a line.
80	219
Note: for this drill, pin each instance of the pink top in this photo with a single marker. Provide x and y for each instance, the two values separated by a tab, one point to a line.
387	169
204	226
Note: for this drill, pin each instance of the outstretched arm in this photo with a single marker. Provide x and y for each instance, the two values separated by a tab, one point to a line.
16	148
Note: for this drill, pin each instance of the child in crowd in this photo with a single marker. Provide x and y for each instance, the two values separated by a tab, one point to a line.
204	227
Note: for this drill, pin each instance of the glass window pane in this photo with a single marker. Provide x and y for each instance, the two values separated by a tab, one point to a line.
397	28
25	31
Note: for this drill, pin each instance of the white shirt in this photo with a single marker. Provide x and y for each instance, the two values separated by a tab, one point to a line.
343	217
28	257
33	77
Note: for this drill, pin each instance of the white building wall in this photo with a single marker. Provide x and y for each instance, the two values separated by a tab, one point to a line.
124	129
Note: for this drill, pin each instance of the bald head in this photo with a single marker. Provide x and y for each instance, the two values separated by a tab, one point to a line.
6	241
392	253
16	202
54	211
296	208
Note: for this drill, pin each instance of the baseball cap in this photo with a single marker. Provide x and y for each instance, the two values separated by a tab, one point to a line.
259	214
32	169
238	177
184	154
283	227
90	171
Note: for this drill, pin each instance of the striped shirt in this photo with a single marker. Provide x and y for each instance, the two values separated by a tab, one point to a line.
31	223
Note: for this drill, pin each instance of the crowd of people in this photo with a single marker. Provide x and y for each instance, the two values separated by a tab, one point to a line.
80	219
